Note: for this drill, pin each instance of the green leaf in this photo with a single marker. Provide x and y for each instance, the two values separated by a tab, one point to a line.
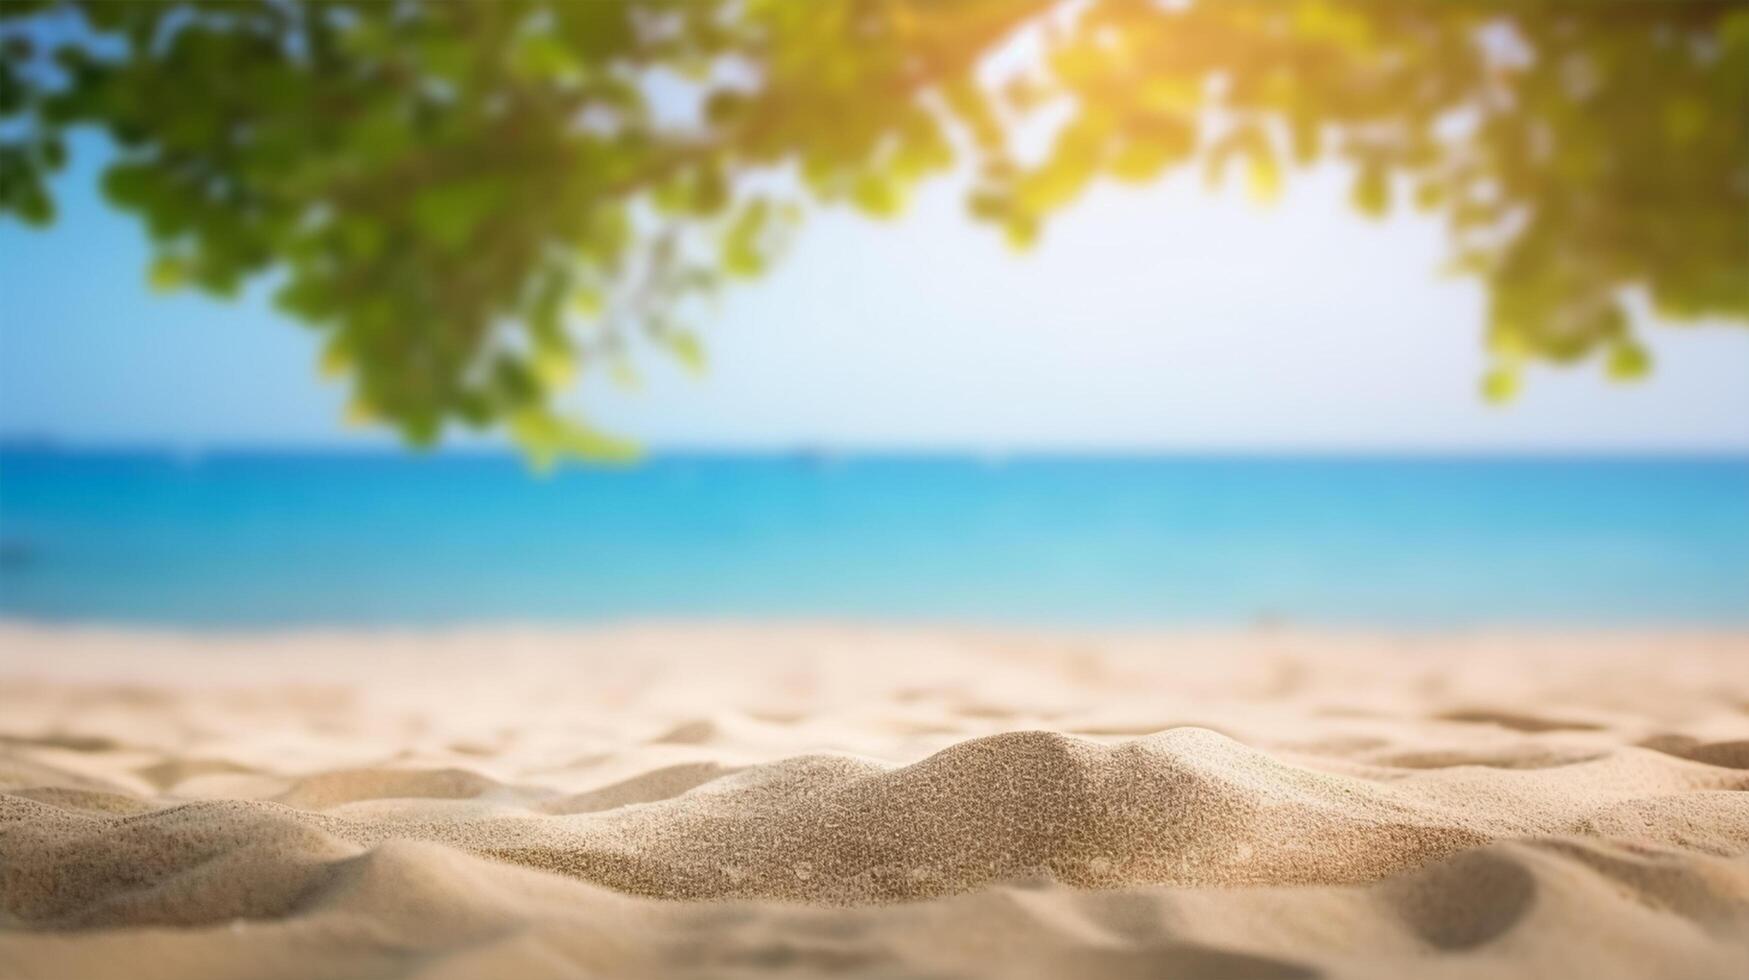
168	273
588	301
742	243
540	55
548	438
1372	191
878	195
1629	361
686	349
1500	385
450	213
1263	176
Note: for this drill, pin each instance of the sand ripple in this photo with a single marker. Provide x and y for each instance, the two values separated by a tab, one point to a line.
1393	826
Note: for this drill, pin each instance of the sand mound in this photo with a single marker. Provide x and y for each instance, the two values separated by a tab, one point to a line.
822	802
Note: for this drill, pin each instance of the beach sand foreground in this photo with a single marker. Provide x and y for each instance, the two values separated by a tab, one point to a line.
720	801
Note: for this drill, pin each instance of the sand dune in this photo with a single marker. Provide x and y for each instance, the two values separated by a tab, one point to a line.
730	801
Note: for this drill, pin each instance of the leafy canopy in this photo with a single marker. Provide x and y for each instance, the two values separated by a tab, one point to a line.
473	200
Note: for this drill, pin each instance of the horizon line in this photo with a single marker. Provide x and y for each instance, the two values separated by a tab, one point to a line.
16	445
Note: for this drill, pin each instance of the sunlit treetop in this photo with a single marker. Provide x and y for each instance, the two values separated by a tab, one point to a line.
473	201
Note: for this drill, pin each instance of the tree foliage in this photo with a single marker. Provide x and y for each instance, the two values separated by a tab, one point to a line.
473	200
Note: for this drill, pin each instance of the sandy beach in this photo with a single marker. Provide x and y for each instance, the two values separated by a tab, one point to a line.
720	800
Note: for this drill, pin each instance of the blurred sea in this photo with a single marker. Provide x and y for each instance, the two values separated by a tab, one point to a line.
271	538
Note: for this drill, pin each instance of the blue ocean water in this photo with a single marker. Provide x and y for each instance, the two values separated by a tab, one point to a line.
251	539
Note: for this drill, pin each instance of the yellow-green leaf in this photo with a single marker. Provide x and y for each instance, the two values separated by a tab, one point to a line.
167	273
1372	191
1500	385
548	437
686	349
1629	362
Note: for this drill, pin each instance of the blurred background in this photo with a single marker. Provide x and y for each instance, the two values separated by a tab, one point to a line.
1091	314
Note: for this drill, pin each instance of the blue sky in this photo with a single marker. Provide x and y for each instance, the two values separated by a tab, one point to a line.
1164	318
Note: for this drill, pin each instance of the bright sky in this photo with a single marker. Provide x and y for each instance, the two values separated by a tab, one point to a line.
1155	319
